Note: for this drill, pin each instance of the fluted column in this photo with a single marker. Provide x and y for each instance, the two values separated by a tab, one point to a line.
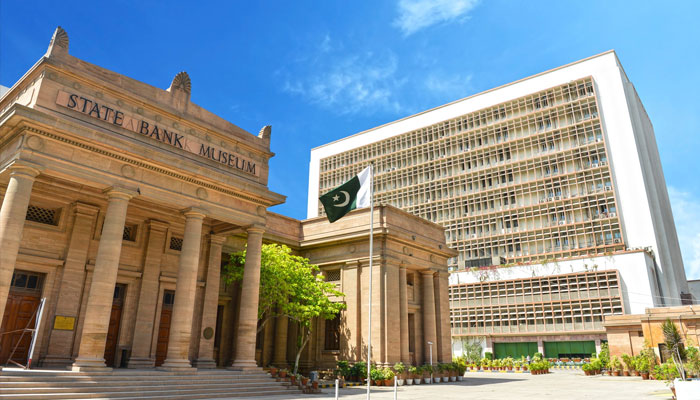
428	310
60	348
205	359
141	354
248	311
442	302
12	215
99	304
403	313
185	290
280	354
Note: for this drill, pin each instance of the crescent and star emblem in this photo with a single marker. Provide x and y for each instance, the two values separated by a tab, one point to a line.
345	202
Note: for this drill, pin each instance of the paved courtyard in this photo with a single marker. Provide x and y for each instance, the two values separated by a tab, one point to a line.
565	385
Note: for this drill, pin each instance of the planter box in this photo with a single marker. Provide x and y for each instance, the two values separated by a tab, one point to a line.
687	390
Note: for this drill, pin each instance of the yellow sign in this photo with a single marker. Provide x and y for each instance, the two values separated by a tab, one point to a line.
64	323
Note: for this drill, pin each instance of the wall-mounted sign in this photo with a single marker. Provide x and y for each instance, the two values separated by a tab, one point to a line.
208	333
100	111
64	323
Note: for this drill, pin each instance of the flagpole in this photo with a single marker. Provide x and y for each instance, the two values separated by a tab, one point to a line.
369	303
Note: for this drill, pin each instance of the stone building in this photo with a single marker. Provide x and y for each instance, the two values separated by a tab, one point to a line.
119	200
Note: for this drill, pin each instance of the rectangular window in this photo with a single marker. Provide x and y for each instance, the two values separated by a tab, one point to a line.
332	341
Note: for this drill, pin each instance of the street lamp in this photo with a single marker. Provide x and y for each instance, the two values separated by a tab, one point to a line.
431	361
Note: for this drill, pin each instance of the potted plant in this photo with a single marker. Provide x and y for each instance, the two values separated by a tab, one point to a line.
586	368
517	364
508	363
643	366
293	379
304	380
388	376
436	373
377	376
283	373
615	365
359	371
427	371
627	362
485	364
273	372
413	375
461	370
400	369
444	372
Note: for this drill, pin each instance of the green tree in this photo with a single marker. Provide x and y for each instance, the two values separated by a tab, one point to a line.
289	286
674	345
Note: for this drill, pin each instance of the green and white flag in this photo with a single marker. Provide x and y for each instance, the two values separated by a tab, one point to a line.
355	193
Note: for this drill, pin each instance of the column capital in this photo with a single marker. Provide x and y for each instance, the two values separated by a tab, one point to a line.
255	229
427	272
194	212
25	168
87	210
117	192
217	239
156	225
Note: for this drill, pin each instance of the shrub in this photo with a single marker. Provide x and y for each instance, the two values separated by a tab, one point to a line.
414	370
376	374
538	356
604	355
692	363
628	361
388	373
399	367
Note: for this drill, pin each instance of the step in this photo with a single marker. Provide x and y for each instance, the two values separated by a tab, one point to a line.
198	393
121	377
99	387
130	381
78	384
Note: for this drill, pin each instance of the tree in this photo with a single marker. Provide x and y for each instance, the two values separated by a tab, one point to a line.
289	286
674	345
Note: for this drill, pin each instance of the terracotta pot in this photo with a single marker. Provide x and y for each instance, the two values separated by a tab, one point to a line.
304	381
645	375
388	382
314	385
283	374
378	382
293	379
636	373
625	373
616	373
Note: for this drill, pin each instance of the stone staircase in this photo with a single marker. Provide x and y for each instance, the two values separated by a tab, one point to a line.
139	384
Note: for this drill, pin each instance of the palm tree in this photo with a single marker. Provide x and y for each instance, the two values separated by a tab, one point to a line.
674	345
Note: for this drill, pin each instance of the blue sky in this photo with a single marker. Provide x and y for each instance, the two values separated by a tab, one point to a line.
320	70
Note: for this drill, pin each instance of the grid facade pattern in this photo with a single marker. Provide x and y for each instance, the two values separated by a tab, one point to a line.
526	180
556	303
42	215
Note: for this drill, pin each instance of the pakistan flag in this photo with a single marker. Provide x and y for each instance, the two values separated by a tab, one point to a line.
355	193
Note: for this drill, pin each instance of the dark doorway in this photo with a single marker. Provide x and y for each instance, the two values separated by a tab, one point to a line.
114	321
166	314
20	313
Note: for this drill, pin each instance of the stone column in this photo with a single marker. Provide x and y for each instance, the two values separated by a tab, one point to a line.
99	304
403	311
391	342
268	342
12	215
205	359
442	313
248	310
428	311
185	291
148	298
60	350
280	355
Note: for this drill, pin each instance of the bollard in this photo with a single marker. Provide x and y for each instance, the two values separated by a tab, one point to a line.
336	389
395	386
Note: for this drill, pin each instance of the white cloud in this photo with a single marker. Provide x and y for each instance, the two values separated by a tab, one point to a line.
415	15
351	84
448	86
686	213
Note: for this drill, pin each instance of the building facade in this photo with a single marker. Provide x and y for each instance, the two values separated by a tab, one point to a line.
121	201
562	165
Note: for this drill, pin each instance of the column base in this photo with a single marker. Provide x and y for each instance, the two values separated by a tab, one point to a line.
56	362
244	365
205	363
138	362
89	365
177	366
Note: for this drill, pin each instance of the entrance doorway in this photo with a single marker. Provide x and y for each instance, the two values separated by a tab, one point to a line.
114	321
20	313
166	314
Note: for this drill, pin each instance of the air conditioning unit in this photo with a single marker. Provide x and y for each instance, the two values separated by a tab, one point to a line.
562	222
612	214
608	188
557	197
616	240
603	163
473	236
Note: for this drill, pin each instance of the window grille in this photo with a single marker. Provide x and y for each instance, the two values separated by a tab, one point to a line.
42	215
333	275
129	233
24	280
175	243
332	334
